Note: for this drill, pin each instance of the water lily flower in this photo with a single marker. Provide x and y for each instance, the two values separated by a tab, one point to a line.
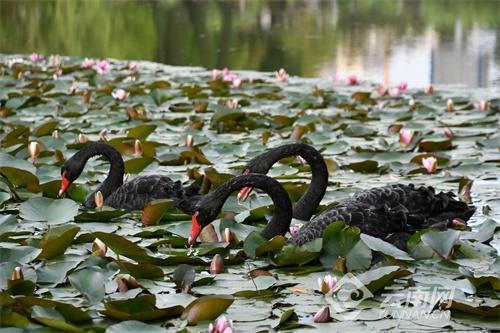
411	101
87	63
99	248
217	265
222	325
35	57
54	60
458	223
34	150
225	71
402	86
189	140
405	137
281	75
99	199
120	94
323	315
132	66
228	236
395	92
55	134
382	90
449	105
448	132
236	82
295	228
429	90
138	151
430	164
352	80
72	89
484	105
17	274
103	67
82	138
86	96
13	61
327	284
57	73
336	78
215	74
125	282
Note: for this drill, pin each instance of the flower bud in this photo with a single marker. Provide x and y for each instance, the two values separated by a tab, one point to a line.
217	265
484	105
82	138
449	133
17	274
450	107
99	248
429	90
99	199
34	150
430	164
102	134
323	315
189	140
458	223
405	137
86	96
228	236
55	134
138	148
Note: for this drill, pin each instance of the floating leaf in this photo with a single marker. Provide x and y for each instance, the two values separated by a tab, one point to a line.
154	210
56	240
48	210
140	308
206	308
441	242
376	244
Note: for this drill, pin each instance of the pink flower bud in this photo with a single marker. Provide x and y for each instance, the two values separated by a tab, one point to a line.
405	137
402	86
382	90
35	57
215	74
484	105
430	164
138	151
429	90
34	150
294	229
132	66
352	80
217	265
103	67
281	75
99	199
189	140
449	133
458	223
323	315
236	82
102	134
82	138
228	236
394	92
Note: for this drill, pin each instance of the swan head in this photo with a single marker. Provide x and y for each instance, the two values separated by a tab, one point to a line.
69	173
205	212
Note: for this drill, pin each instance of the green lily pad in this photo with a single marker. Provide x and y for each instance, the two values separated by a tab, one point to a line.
48	210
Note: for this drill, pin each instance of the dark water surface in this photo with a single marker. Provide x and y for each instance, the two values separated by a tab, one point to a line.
420	41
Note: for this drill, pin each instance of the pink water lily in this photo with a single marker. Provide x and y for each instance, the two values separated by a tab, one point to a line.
35	57
395	92
132	65
54	60
215	74
402	86
484	105
323	315
13	61
352	80
336	78
327	284
120	94
281	75
222	325
449	133
458	223
382	90
294	229
405	137
103	67
430	164
87	63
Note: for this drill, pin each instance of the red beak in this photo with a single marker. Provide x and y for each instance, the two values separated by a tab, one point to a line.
244	193
65	183
195	230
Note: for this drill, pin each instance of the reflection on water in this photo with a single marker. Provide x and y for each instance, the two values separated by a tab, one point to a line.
420	41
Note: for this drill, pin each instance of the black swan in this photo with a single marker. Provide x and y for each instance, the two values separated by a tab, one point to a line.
391	212
305	207
210	205
133	195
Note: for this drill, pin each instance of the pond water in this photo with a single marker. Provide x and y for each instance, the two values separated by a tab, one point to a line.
435	42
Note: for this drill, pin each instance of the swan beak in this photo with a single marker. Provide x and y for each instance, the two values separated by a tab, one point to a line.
244	193
195	229
65	183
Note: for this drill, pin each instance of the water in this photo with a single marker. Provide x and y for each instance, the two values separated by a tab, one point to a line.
439	42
